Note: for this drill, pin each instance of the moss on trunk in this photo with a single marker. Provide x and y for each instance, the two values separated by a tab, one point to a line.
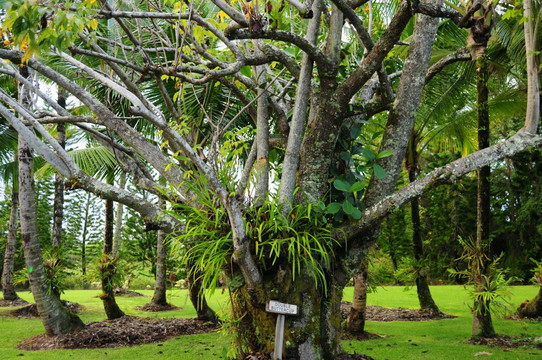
312	334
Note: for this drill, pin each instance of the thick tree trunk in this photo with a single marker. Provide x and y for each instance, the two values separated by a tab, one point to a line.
111	308
482	324
55	317
8	289
197	297
313	334
533	308
355	323
159	297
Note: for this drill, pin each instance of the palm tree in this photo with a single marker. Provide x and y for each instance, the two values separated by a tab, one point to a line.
8	289
8	148
55	317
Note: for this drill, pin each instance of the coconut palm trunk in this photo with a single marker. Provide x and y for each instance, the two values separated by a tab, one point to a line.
8	289
159	297
55	317
482	324
108	266
118	218
422	287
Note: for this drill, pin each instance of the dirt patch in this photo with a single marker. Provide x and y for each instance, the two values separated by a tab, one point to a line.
126	331
13	303
150	307
379	313
508	342
517	317
31	310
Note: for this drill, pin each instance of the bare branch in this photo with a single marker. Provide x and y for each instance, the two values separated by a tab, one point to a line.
462	54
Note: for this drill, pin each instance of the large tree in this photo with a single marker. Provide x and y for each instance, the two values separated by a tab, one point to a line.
299	244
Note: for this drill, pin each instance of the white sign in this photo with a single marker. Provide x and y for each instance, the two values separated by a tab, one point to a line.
281	308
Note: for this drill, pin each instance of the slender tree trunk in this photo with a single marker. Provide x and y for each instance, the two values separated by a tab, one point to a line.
58	206
424	293
159	297
197	297
482	324
84	237
9	258
111	308
356	320
118	219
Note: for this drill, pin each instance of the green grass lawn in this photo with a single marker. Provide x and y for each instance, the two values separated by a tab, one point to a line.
442	339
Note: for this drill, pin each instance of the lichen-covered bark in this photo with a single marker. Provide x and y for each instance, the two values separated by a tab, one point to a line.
8	289
313	334
401	119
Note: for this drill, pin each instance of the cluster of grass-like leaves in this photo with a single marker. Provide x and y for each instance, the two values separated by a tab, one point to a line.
299	237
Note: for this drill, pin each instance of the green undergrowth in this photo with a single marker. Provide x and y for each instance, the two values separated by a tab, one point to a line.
442	339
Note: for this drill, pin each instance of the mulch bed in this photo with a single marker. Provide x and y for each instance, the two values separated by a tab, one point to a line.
125	331
517	317
379	313
508	342
157	308
13	303
31	310
128	293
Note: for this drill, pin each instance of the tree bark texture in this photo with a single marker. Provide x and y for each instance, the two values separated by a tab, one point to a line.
313	334
8	289
533	308
482	324
355	323
111	307
159	296
55	317
118	219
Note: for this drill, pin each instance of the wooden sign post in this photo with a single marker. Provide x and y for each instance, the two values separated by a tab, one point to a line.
281	309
